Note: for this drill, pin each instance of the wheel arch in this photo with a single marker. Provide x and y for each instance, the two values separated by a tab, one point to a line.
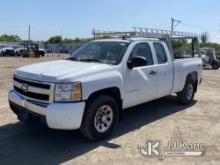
113	92
194	77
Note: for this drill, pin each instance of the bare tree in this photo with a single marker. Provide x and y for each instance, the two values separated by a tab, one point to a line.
204	37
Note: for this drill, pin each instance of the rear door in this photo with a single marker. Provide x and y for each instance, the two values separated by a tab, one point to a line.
141	83
165	68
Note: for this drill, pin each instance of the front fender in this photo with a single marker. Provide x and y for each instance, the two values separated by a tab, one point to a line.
91	84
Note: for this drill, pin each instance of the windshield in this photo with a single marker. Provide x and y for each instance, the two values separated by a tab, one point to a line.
103	52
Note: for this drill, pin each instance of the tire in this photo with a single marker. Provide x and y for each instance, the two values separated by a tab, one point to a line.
95	126
185	97
215	66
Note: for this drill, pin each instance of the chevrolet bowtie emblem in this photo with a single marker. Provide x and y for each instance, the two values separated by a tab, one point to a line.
24	88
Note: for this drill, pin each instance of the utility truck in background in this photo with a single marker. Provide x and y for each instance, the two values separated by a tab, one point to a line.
32	49
89	90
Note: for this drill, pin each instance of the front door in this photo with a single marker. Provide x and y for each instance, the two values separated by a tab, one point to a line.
141	82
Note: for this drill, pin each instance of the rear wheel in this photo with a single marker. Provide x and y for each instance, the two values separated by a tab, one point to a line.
186	96
101	117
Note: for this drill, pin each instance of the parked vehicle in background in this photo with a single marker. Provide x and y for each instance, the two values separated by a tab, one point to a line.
89	90
209	58
6	50
182	54
19	50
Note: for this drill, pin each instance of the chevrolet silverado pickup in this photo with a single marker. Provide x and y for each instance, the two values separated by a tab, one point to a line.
89	90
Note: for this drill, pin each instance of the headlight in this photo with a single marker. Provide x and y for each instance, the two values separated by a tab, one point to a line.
68	92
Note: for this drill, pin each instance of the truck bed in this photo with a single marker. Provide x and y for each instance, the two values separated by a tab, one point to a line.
182	67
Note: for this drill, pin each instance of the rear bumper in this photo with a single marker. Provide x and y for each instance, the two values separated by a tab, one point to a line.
65	116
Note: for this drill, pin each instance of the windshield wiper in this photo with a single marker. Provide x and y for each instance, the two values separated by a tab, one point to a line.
91	60
84	59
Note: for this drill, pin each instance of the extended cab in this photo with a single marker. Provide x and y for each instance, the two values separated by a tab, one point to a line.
89	90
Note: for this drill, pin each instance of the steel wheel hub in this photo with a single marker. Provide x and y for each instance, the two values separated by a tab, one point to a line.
189	91
103	118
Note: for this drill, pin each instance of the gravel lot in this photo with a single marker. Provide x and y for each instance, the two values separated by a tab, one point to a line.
161	119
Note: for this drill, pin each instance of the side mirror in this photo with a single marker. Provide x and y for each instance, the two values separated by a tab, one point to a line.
137	62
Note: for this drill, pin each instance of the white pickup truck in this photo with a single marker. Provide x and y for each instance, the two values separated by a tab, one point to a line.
89	90
6	50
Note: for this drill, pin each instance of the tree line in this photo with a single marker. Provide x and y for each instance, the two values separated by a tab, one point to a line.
51	40
59	39
9	38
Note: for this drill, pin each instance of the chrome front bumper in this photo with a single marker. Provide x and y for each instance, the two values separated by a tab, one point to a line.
66	116
14	97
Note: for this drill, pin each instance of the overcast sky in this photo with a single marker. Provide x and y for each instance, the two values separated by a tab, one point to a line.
77	18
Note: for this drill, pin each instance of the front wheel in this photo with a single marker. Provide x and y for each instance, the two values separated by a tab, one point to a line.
186	96
100	118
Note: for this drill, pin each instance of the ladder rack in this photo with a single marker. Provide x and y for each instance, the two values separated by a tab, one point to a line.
145	33
139	32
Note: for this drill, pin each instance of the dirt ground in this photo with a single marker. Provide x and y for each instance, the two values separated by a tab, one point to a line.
162	119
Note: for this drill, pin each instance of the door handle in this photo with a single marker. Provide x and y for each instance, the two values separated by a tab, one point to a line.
152	72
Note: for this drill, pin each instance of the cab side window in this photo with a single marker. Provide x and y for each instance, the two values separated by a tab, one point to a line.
143	50
160	52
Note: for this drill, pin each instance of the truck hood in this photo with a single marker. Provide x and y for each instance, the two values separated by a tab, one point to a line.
60	70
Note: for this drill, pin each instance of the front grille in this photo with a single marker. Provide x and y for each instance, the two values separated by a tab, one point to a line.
32	95
38	91
40	85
